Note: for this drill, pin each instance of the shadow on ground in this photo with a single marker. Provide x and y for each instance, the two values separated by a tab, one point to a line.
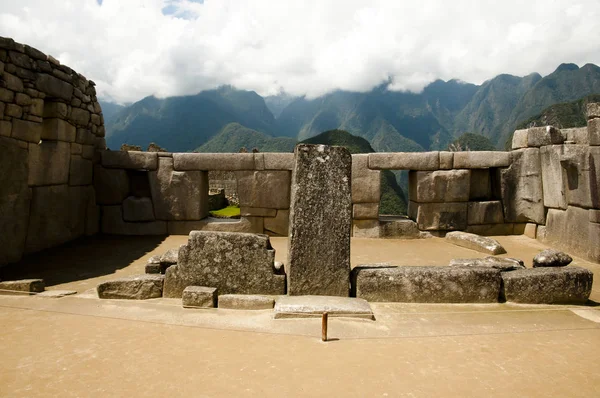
83	258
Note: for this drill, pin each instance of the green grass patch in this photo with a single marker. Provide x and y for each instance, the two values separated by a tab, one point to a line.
227	212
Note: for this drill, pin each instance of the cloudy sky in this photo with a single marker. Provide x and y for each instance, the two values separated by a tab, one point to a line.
135	48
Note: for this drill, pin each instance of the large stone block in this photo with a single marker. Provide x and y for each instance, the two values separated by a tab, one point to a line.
111	185
112	223
593	128
321	221
563	285
398	228
80	171
79	117
58	129
138	209
26	130
571	231
130	160
53	87
593	110
278	225
489	212
481	159
178	195
15	197
49	163
439	186
234	263
501	263
404	161
138	287
49	219
492	229
278	161
55	110
582	174
315	306
521	188
81	199
427	284
213	161
577	135
366	183
537	137
22	286
475	242
553	184
446	160
439	216
365	228
267	189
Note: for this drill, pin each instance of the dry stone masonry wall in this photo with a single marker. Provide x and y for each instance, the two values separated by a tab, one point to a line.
51	125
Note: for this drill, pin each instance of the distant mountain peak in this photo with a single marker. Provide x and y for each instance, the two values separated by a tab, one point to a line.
566	67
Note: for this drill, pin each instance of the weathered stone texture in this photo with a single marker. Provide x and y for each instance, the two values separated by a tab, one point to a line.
570	231
49	163
365	228
501	263
531	230
439	186
582	174
553	183
439	216
366	183
577	135
315	306
58	129
49	223
475	242
492	229
593	110
112	185
365	211
22	286
54	87
278	161
80	171
244	224
257	212
321	221
178	195
130	160
26	130
551	258
268	189
138	287
404	161
214	161
480	185
15	197
234	263
427	284
138	209
199	297
246	302
399	228
537	137
563	285
481	159
594	131
446	160
489	212
521	188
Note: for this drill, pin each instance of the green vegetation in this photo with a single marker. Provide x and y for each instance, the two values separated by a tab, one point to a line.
227	212
235	136
472	142
393	200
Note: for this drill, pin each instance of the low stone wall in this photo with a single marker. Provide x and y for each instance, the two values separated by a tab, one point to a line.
50	127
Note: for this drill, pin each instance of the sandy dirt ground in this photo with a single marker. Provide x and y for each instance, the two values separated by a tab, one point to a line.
81	346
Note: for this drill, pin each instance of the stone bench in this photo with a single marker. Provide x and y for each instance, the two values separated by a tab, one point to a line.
428	284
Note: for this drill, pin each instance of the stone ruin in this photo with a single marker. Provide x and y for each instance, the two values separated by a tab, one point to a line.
59	182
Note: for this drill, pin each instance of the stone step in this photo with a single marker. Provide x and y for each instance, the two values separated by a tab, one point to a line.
315	306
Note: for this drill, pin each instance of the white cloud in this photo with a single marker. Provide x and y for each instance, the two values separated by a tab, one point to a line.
135	48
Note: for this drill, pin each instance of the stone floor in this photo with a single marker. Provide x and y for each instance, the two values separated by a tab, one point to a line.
82	346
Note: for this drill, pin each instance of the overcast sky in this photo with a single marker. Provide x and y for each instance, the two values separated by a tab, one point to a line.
135	48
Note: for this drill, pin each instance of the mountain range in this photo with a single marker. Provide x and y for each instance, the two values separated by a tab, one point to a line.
222	119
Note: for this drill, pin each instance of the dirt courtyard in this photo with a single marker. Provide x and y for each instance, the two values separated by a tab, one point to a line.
82	346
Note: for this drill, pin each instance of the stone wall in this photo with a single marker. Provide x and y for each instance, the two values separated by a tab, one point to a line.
50	127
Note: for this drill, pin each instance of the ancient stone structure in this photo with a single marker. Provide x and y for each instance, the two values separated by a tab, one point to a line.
320	222
51	126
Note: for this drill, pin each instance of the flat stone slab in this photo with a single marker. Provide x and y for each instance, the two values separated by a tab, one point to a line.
57	293
246	302
482	244
315	306
138	287
548	285
199	297
428	284
501	263
23	286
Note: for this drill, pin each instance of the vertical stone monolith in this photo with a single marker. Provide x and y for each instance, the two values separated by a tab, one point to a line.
320	221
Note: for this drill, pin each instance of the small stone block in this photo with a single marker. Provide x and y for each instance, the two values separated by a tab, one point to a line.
21	287
199	297
475	242
246	302
556	285
315	306
152	268
593	110
530	230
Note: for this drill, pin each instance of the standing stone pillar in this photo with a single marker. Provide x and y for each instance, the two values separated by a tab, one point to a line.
320	221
